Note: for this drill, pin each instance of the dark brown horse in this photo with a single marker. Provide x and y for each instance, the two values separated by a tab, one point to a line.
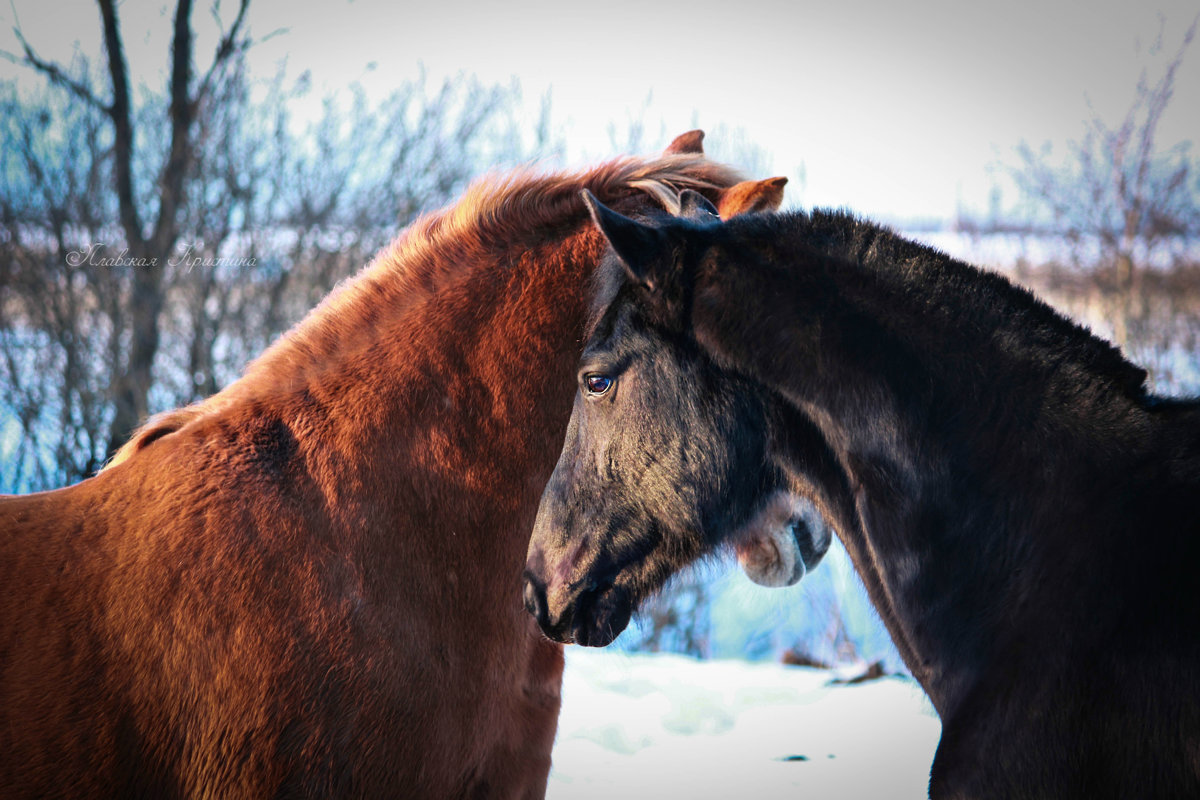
1023	513
310	583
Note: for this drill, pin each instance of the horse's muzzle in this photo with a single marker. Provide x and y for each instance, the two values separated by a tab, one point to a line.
594	617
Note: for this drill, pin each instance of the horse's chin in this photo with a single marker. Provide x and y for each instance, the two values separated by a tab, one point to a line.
601	616
785	539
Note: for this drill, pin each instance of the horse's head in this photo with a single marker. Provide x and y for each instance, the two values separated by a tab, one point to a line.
667	455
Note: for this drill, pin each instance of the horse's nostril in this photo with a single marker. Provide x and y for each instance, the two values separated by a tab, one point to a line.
530	597
535	601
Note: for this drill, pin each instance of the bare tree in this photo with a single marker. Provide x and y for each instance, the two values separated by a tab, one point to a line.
150	246
1119	195
149	229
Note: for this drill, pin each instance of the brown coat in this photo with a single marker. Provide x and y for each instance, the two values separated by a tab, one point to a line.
310	583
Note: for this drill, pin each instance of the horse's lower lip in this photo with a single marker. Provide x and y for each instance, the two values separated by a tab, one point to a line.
563	634
590	633
560	636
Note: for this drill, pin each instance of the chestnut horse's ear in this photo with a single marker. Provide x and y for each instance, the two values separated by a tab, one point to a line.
690	142
750	196
640	247
693	205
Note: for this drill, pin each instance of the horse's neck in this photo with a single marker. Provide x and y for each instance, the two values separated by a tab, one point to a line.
962	413
440	399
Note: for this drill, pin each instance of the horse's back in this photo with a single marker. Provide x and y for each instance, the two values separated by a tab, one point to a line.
55	693
128	663
49	556
1179	424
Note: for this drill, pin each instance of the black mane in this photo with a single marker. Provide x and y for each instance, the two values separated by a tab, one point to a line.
979	300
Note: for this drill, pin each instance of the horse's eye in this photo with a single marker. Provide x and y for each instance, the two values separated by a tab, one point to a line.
598	384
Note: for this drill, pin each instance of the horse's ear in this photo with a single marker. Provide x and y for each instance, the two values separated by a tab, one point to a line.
640	247
693	205
750	196
690	142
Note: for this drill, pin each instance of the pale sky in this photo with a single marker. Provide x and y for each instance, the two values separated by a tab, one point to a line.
893	109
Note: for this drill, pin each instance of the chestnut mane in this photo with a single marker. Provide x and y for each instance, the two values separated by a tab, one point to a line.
435	251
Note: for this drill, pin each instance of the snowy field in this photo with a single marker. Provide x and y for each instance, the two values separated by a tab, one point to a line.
661	726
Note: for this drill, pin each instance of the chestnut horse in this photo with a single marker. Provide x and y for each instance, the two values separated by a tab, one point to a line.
1021	510
309	584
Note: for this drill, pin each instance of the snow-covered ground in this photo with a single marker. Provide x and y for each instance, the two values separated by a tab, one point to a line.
665	726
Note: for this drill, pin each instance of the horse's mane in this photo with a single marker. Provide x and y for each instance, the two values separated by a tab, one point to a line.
993	303
497	211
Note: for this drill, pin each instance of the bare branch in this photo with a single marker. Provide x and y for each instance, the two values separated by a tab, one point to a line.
182	111
228	47
121	115
54	72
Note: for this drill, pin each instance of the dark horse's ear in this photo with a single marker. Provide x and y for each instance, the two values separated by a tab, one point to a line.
641	248
693	205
